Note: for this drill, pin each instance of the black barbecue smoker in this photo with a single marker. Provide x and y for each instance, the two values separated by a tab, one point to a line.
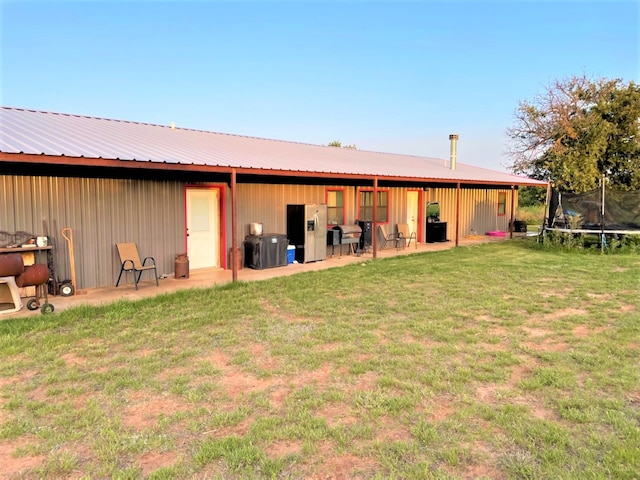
349	235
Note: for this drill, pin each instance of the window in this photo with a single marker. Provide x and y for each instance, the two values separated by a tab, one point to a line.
365	206
502	203
335	206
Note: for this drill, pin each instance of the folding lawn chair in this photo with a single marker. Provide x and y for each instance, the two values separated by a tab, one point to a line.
130	262
388	237
405	235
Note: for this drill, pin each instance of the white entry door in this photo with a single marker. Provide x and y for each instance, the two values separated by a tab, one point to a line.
203	227
413	209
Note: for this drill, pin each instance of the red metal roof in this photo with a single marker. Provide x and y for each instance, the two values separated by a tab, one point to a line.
46	133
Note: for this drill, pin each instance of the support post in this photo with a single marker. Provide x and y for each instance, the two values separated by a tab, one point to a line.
457	213
547	202
602	237
513	196
374	228
235	249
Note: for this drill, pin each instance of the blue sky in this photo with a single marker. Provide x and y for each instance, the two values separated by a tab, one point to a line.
386	76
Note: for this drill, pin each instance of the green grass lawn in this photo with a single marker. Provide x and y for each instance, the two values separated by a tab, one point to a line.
492	361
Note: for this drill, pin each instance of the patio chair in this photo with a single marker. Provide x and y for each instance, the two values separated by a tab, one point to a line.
130	262
405	235
388	237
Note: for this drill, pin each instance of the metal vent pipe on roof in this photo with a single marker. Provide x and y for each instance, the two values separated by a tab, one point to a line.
454	147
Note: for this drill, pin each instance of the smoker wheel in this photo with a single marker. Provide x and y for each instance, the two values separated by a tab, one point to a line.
32	304
47	308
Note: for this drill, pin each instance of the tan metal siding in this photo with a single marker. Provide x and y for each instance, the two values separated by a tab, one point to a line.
397	207
478	210
100	212
103	212
7	215
267	204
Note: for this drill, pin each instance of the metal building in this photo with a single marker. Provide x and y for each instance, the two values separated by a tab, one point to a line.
173	190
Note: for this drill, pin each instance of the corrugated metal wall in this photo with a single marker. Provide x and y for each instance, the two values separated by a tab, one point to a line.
478	209
101	213
267	204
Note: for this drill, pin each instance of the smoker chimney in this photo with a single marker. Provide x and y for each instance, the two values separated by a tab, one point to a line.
454	146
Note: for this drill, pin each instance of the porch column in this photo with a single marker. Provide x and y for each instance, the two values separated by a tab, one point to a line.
235	249
457	212
513	196
374	229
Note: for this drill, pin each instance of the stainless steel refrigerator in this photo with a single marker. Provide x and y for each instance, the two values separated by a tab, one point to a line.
307	230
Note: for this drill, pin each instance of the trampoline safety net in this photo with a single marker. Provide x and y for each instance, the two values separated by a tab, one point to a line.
584	210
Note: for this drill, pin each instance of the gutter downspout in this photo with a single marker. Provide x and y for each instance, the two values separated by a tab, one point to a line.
235	249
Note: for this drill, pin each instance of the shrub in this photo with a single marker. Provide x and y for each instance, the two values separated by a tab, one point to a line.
533	215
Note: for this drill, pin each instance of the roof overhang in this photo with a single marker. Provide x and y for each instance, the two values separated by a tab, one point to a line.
106	163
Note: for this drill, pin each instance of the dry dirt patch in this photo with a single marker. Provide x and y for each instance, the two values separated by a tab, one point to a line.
336	466
11	465
565	312
281	448
337	414
439	412
146	407
71	359
582	331
546	346
152	461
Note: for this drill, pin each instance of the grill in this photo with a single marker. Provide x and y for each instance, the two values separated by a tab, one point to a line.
265	251
349	235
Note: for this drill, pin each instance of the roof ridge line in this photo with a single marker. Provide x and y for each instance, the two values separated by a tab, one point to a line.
134	122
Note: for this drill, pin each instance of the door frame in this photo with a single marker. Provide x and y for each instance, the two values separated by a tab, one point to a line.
419	233
222	241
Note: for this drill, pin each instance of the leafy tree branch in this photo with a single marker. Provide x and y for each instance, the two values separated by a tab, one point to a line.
578	130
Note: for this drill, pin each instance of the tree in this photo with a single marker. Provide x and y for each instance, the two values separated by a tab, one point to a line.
338	143
531	196
577	131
